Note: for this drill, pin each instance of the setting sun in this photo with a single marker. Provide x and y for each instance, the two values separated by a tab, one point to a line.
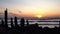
39	16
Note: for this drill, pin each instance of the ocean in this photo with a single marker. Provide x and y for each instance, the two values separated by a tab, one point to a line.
36	21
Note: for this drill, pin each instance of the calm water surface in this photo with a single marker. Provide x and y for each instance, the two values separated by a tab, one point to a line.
35	21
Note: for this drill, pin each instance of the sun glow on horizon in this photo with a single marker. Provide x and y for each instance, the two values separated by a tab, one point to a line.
39	16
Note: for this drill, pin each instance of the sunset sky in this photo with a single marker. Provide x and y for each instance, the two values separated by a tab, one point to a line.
31	8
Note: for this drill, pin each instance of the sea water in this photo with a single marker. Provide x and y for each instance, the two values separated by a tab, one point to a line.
36	21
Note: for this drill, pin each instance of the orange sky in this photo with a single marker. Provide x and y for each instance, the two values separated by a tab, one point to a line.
31	8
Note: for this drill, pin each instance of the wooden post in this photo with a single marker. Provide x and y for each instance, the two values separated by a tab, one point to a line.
15	21
59	23
6	17
12	23
22	22
27	22
2	22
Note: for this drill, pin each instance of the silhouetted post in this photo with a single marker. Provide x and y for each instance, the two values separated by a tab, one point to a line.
22	22
27	22
59	23
12	23
2	22
6	17
15	21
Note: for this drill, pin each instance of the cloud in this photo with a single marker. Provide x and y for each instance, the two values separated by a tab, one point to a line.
1	13
15	11
11	12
